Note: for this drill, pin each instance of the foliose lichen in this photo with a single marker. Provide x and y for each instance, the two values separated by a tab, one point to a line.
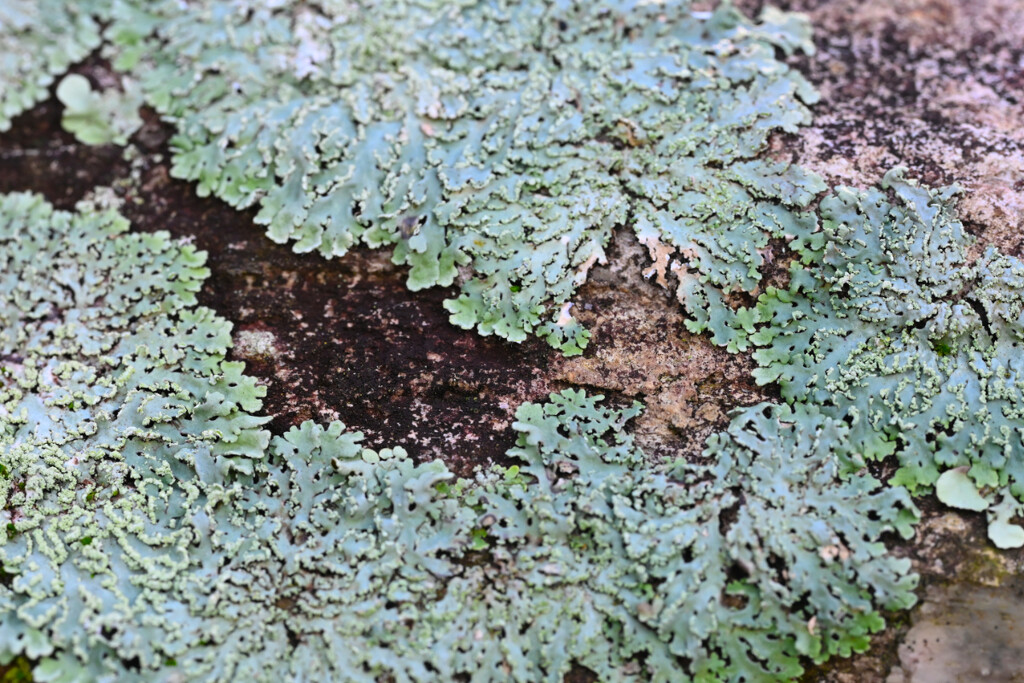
99	118
151	532
889	326
731	569
503	139
112	381
40	39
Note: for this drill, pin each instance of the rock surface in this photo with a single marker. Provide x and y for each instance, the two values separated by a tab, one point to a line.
963	634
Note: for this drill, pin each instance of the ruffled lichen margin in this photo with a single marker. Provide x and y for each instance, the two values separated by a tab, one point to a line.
887	326
152	532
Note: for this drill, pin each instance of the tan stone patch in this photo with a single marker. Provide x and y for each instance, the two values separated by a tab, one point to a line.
642	350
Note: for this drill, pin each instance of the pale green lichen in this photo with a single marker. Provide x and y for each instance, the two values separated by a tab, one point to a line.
111	381
509	138
887	325
153	535
506	138
99	118
40	39
728	570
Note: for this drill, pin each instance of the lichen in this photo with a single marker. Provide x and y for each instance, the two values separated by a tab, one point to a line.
99	118
113	381
256	345
40	39
731	569
153	534
491	144
888	326
412	125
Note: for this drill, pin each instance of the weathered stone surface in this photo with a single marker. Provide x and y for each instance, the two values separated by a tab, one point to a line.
934	85
962	634
641	349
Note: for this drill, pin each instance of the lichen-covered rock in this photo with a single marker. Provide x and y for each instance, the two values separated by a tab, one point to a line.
347	563
151	533
414	125
888	326
510	139
934	85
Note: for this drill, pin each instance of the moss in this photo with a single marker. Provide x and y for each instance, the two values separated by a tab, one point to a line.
19	670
